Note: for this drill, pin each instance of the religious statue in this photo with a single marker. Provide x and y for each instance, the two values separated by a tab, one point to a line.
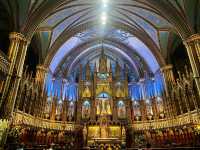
109	147
85	134
121	109
103	107
104	128
86	109
86	92
123	132
71	111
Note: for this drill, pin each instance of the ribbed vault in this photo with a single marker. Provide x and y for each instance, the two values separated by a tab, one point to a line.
53	23
121	52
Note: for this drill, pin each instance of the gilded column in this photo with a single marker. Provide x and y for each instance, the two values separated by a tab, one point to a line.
155	108
64	110
126	82
169	81
128	110
41	75
15	39
53	108
168	77
143	106
78	111
192	45
115	116
143	110
17	53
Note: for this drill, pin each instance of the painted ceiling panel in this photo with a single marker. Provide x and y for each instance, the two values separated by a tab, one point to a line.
155	19
181	3
64	14
144	52
163	38
32	3
193	12
62	26
65	48
92	53
129	2
133	42
23	10
111	33
152	32
45	37
121	12
36	4
177	5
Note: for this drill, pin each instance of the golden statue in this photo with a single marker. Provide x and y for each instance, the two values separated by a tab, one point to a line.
109	147
86	92
104	128
85	134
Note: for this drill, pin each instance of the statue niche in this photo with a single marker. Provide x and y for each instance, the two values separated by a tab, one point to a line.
70	113
86	92
103	104
86	109
121	109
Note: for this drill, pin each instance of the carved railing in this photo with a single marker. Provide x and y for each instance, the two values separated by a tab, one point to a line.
191	118
21	118
4	64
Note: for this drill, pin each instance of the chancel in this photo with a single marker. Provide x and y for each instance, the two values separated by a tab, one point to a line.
99	74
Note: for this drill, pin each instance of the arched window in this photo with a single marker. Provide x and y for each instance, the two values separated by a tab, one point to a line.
103	95
86	109
149	107
121	109
160	104
70	113
136	108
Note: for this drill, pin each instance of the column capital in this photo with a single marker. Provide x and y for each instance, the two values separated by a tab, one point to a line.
166	67
42	68
192	38
18	36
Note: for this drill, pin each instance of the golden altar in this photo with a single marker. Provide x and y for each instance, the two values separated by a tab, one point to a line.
105	134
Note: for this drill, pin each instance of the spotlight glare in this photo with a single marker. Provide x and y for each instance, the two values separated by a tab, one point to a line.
103	22
105	5
105	1
103	18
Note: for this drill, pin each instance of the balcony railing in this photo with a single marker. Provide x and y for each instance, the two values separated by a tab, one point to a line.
21	118
181	120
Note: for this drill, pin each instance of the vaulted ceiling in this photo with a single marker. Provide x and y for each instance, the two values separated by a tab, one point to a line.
139	33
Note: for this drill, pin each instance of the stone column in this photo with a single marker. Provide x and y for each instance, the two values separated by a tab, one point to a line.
17	53
192	45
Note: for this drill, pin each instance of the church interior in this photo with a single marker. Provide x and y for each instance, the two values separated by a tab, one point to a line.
99	74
